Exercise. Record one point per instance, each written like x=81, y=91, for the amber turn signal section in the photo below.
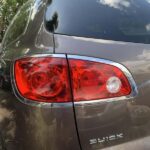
x=43, y=79
x=97, y=81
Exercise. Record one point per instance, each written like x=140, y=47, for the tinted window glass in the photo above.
x=18, y=24
x=121, y=20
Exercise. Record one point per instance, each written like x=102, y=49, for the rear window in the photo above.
x=119, y=20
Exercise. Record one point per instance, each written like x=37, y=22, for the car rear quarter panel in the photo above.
x=26, y=127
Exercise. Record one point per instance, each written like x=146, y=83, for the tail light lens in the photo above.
x=43, y=79
x=46, y=79
x=95, y=81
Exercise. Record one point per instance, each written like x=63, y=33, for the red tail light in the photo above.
x=95, y=81
x=46, y=79
x=43, y=79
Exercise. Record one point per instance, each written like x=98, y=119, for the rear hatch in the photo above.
x=106, y=124
x=112, y=30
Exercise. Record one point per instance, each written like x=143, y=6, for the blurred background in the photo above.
x=8, y=8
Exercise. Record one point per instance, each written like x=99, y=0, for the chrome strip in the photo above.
x=121, y=67
x=42, y=55
x=35, y=103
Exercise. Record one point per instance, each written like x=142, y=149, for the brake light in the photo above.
x=95, y=81
x=43, y=79
x=46, y=79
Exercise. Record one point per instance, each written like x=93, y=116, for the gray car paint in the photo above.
x=99, y=124
x=24, y=127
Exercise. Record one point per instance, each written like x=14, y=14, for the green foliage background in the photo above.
x=8, y=8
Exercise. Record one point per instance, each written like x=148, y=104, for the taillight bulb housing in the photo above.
x=43, y=79
x=93, y=80
x=60, y=79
